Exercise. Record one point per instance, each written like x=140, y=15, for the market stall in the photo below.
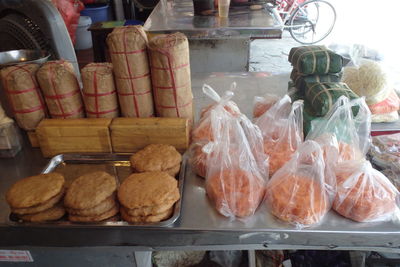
x=199, y=226
x=104, y=175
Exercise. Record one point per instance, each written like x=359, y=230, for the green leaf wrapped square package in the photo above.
x=301, y=81
x=315, y=59
x=323, y=95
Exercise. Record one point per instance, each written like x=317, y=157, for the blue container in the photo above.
x=97, y=13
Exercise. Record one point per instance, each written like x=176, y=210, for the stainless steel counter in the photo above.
x=216, y=44
x=178, y=15
x=200, y=226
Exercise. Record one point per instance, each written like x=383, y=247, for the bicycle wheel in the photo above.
x=312, y=21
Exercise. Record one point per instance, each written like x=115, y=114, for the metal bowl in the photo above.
x=13, y=57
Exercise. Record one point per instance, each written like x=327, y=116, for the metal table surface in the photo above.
x=216, y=44
x=200, y=226
x=178, y=15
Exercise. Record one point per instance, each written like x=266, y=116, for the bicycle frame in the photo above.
x=286, y=14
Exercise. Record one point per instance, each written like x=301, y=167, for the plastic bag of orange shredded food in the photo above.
x=202, y=131
x=364, y=194
x=298, y=192
x=236, y=165
x=282, y=130
x=351, y=132
x=263, y=103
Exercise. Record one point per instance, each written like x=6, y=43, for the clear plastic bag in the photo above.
x=368, y=78
x=282, y=130
x=393, y=174
x=385, y=150
x=387, y=117
x=237, y=168
x=390, y=104
x=263, y=103
x=202, y=131
x=352, y=133
x=198, y=158
x=363, y=193
x=69, y=10
x=298, y=192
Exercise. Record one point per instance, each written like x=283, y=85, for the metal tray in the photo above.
x=74, y=165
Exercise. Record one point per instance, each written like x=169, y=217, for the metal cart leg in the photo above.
x=143, y=258
x=252, y=258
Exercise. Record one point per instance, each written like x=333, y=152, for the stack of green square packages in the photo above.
x=316, y=74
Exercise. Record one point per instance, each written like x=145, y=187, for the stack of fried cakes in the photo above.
x=157, y=157
x=148, y=197
x=38, y=198
x=91, y=198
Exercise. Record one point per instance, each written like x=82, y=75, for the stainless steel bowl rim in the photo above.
x=13, y=57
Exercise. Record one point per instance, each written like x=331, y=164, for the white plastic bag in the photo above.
x=387, y=117
x=368, y=78
x=363, y=193
x=282, y=130
x=351, y=132
x=263, y=103
x=298, y=192
x=202, y=133
x=236, y=165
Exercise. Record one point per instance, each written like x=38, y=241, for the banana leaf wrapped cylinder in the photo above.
x=128, y=51
x=300, y=81
x=322, y=96
x=315, y=59
x=61, y=90
x=99, y=94
x=23, y=93
x=170, y=73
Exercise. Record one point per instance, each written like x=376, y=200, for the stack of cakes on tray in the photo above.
x=38, y=198
x=91, y=197
x=149, y=194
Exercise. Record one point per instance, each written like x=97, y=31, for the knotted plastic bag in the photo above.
x=237, y=168
x=363, y=193
x=202, y=132
x=299, y=192
x=282, y=130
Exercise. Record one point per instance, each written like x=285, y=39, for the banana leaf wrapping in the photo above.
x=301, y=81
x=315, y=60
x=322, y=96
x=23, y=93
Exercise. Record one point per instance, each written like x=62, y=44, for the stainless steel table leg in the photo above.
x=143, y=258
